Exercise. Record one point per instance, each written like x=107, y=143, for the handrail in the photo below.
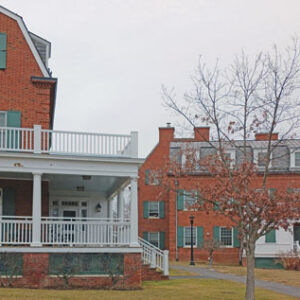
x=154, y=256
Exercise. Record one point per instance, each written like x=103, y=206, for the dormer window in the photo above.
x=260, y=157
x=230, y=155
x=295, y=158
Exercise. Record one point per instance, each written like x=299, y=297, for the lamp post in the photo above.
x=192, y=263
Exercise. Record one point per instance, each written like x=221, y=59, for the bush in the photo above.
x=290, y=260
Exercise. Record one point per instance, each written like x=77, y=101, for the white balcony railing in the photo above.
x=89, y=231
x=15, y=230
x=38, y=140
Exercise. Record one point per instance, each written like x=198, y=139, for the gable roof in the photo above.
x=28, y=39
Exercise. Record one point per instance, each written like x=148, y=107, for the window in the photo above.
x=188, y=235
x=191, y=160
x=297, y=159
x=153, y=238
x=3, y=122
x=153, y=209
x=189, y=199
x=260, y=157
x=151, y=177
x=226, y=236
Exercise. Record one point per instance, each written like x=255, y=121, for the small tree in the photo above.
x=238, y=102
x=211, y=245
x=10, y=267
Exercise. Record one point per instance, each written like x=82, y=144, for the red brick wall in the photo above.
x=17, y=92
x=23, y=190
x=36, y=265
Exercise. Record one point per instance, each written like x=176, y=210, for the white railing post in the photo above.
x=153, y=259
x=166, y=263
x=36, y=210
x=134, y=214
x=37, y=138
x=134, y=144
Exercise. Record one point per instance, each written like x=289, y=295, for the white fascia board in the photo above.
x=27, y=38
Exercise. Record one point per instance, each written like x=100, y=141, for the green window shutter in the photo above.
x=180, y=199
x=3, y=50
x=161, y=240
x=200, y=236
x=236, y=241
x=216, y=233
x=145, y=236
x=161, y=209
x=13, y=120
x=180, y=236
x=216, y=206
x=9, y=201
x=271, y=236
x=147, y=173
x=146, y=209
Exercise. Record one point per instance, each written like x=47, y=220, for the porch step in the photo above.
x=149, y=273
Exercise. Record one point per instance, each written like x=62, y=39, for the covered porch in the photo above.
x=58, y=210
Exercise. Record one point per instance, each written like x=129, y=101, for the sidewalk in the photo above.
x=207, y=273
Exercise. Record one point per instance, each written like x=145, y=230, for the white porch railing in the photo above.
x=38, y=140
x=15, y=230
x=88, y=231
x=154, y=256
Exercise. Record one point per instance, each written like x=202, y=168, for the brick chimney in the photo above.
x=265, y=136
x=166, y=134
x=201, y=134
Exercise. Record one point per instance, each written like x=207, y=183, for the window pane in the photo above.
x=297, y=159
x=188, y=235
x=153, y=209
x=154, y=238
x=261, y=159
x=188, y=200
x=226, y=236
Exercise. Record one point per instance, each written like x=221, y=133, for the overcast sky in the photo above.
x=112, y=56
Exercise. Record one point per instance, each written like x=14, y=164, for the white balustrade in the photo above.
x=87, y=231
x=155, y=257
x=39, y=140
x=15, y=230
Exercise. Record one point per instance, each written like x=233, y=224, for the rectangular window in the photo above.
x=153, y=238
x=229, y=156
x=261, y=159
x=3, y=119
x=151, y=177
x=297, y=159
x=153, y=209
x=189, y=199
x=188, y=236
x=226, y=236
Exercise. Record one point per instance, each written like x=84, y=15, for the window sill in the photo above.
x=153, y=218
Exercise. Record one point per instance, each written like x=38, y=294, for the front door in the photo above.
x=69, y=229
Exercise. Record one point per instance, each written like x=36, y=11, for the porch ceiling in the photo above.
x=99, y=184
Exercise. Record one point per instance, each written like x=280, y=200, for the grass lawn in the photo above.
x=281, y=276
x=170, y=289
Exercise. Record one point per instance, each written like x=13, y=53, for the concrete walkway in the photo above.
x=208, y=273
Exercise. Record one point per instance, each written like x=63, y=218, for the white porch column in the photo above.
x=36, y=210
x=134, y=213
x=120, y=205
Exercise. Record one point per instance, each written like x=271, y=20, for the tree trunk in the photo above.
x=250, y=281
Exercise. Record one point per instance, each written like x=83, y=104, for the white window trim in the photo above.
x=232, y=154
x=194, y=230
x=293, y=158
x=158, y=235
x=226, y=246
x=255, y=157
x=152, y=217
x=184, y=208
x=5, y=117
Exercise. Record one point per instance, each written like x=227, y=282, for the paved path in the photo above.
x=208, y=273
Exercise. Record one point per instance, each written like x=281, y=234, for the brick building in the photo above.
x=164, y=213
x=57, y=187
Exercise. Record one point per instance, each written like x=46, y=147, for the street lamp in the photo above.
x=192, y=263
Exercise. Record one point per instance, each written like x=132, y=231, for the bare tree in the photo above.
x=248, y=97
x=211, y=245
x=10, y=267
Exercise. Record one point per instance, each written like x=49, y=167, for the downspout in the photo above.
x=176, y=221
